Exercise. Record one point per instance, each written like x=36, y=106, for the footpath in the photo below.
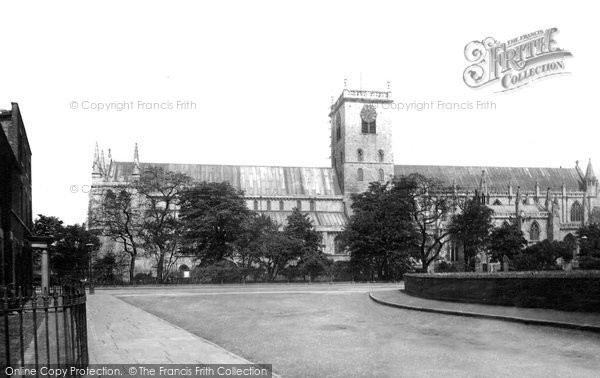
x=537, y=316
x=119, y=333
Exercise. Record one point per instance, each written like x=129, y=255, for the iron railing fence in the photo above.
x=44, y=328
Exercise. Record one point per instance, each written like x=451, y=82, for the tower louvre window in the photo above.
x=360, y=154
x=576, y=212
x=369, y=127
x=359, y=174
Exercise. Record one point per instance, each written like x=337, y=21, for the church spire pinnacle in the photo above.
x=96, y=164
x=102, y=162
x=136, y=162
x=589, y=172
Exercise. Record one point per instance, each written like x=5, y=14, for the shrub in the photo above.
x=223, y=271
x=446, y=267
x=543, y=256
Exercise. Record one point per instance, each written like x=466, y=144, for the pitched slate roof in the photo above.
x=498, y=178
x=253, y=180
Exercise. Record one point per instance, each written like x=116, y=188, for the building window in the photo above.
x=255, y=204
x=534, y=231
x=280, y=205
x=313, y=205
x=453, y=251
x=337, y=246
x=360, y=154
x=299, y=204
x=268, y=205
x=576, y=212
x=338, y=127
x=381, y=175
x=381, y=156
x=359, y=174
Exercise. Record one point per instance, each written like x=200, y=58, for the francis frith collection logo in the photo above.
x=515, y=63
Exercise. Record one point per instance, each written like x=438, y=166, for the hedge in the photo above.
x=568, y=291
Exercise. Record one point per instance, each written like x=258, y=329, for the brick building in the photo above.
x=551, y=202
x=15, y=200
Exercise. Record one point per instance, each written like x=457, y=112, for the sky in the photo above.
x=258, y=78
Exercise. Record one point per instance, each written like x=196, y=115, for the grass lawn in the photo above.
x=344, y=334
x=14, y=336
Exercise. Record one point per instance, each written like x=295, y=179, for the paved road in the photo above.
x=336, y=330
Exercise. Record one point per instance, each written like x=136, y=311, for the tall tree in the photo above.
x=306, y=243
x=69, y=253
x=428, y=203
x=472, y=226
x=119, y=218
x=214, y=217
x=380, y=232
x=261, y=245
x=506, y=240
x=159, y=195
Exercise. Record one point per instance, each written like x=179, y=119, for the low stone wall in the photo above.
x=569, y=291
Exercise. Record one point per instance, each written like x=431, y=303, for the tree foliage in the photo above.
x=215, y=222
x=589, y=246
x=428, y=204
x=379, y=233
x=472, y=226
x=543, y=255
x=70, y=251
x=506, y=240
x=160, y=194
x=118, y=217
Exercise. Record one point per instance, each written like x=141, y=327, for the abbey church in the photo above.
x=551, y=203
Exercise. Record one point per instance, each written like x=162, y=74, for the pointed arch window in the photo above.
x=360, y=154
x=359, y=174
x=337, y=245
x=576, y=212
x=381, y=175
x=534, y=231
x=381, y=155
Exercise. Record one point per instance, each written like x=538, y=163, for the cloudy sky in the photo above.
x=262, y=74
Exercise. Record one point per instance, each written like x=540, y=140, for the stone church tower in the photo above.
x=361, y=140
